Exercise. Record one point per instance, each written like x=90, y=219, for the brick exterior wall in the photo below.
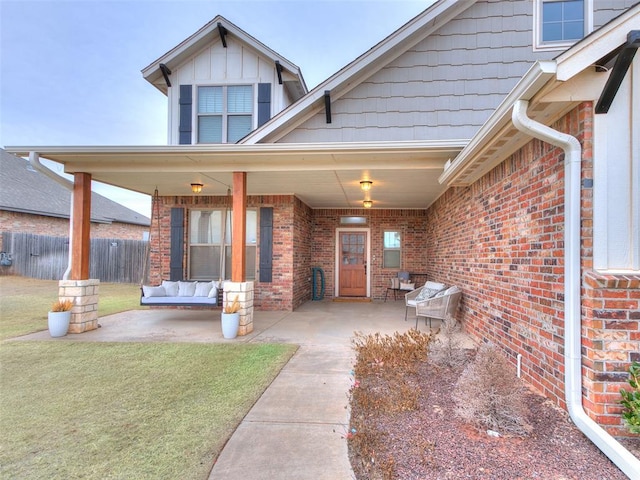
x=290, y=235
x=501, y=240
x=410, y=223
x=17, y=222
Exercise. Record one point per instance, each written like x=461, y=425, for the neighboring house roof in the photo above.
x=292, y=79
x=552, y=89
x=25, y=190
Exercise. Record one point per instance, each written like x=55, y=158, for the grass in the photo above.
x=96, y=411
x=24, y=303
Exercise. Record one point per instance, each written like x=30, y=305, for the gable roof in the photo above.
x=293, y=80
x=48, y=198
x=358, y=70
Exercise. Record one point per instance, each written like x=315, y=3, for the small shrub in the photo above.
x=62, y=305
x=490, y=396
x=376, y=353
x=631, y=400
x=446, y=350
x=385, y=384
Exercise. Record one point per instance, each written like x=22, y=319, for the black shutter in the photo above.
x=177, y=244
x=266, y=244
x=186, y=102
x=264, y=103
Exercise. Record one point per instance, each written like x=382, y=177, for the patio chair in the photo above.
x=442, y=305
x=420, y=294
x=398, y=284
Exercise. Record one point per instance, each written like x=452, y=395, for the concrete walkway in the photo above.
x=296, y=429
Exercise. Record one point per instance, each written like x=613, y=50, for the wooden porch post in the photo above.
x=81, y=228
x=238, y=240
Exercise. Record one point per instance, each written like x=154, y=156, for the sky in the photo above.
x=70, y=70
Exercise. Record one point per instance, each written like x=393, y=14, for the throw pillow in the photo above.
x=149, y=291
x=171, y=288
x=213, y=293
x=426, y=293
x=203, y=289
x=435, y=285
x=186, y=289
x=407, y=286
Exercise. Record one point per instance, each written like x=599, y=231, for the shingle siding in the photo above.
x=447, y=85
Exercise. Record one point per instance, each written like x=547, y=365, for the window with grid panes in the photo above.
x=225, y=113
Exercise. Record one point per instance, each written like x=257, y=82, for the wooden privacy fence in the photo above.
x=46, y=258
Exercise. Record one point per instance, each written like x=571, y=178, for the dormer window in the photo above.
x=560, y=23
x=225, y=113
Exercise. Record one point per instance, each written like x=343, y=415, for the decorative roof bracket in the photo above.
x=327, y=104
x=623, y=61
x=279, y=71
x=165, y=73
x=223, y=34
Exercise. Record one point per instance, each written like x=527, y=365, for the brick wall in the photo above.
x=275, y=295
x=410, y=223
x=501, y=240
x=59, y=227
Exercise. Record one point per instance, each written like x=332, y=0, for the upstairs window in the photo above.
x=560, y=23
x=225, y=113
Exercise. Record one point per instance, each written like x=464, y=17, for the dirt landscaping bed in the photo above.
x=430, y=442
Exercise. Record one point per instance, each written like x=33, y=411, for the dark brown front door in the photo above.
x=353, y=264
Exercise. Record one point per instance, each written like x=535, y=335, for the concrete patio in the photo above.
x=296, y=429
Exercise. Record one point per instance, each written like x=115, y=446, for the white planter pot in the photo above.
x=59, y=323
x=230, y=324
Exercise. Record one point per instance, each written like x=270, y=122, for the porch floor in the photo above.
x=296, y=429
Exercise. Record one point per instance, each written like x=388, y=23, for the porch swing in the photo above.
x=174, y=293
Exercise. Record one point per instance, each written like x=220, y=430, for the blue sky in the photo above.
x=70, y=70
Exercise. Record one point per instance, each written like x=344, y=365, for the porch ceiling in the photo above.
x=404, y=174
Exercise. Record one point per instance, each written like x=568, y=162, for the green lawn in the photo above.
x=24, y=303
x=71, y=410
x=129, y=410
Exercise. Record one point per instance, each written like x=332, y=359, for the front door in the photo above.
x=353, y=264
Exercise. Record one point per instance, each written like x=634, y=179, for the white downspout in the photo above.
x=34, y=160
x=619, y=455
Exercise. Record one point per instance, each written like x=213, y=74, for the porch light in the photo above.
x=196, y=187
x=365, y=185
x=367, y=204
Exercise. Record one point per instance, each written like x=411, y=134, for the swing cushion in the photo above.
x=149, y=291
x=181, y=293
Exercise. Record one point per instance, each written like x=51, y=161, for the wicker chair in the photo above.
x=442, y=305
x=414, y=296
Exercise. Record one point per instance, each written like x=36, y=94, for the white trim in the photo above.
x=541, y=46
x=336, y=280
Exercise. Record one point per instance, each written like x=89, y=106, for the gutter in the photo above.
x=34, y=161
x=617, y=453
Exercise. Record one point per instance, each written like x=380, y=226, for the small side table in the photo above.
x=395, y=292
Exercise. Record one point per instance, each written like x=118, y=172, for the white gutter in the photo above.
x=34, y=160
x=619, y=455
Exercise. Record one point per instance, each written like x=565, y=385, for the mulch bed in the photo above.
x=431, y=443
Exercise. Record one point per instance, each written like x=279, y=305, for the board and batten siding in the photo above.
x=447, y=85
x=238, y=64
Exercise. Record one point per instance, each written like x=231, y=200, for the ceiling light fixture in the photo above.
x=196, y=187
x=367, y=204
x=365, y=185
